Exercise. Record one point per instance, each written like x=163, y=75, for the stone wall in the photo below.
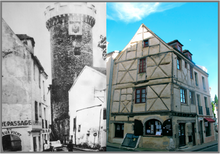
x=69, y=54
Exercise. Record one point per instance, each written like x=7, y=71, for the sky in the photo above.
x=28, y=18
x=194, y=24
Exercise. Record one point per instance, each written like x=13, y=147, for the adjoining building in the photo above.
x=87, y=108
x=25, y=97
x=158, y=93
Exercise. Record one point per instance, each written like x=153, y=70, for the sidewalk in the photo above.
x=188, y=149
x=199, y=147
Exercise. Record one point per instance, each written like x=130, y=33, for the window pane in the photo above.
x=138, y=91
x=143, y=100
x=143, y=95
x=138, y=100
x=143, y=90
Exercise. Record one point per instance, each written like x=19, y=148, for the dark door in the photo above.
x=34, y=143
x=193, y=133
x=201, y=132
x=138, y=128
x=182, y=134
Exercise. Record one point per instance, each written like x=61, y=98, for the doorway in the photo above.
x=193, y=133
x=182, y=141
x=11, y=143
x=201, y=133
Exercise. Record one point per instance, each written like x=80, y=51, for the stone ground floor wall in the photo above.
x=26, y=138
x=146, y=141
x=21, y=134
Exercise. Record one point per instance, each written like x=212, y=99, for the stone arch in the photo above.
x=11, y=143
x=150, y=118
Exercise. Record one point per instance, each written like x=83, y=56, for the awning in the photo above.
x=209, y=120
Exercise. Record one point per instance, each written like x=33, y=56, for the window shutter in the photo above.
x=138, y=128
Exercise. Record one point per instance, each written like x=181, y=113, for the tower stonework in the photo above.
x=70, y=26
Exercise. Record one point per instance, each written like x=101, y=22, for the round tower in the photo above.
x=70, y=26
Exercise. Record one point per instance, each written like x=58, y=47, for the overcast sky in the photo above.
x=28, y=18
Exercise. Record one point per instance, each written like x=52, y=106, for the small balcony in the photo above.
x=200, y=110
x=207, y=111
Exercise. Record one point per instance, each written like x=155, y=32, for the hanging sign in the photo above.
x=75, y=25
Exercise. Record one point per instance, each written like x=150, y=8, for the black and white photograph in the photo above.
x=53, y=76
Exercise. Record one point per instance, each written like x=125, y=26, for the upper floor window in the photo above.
x=196, y=79
x=146, y=43
x=178, y=63
x=140, y=95
x=142, y=65
x=191, y=97
x=36, y=111
x=191, y=72
x=203, y=82
x=182, y=95
x=185, y=64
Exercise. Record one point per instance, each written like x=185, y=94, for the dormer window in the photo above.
x=146, y=43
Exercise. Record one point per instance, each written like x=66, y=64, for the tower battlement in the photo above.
x=60, y=13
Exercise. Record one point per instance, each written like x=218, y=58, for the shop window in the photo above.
x=182, y=95
x=146, y=43
x=207, y=128
x=196, y=79
x=119, y=130
x=191, y=97
x=153, y=127
x=142, y=65
x=178, y=63
x=140, y=95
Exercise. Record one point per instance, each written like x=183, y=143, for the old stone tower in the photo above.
x=70, y=26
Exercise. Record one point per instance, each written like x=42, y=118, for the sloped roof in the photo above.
x=100, y=69
x=26, y=37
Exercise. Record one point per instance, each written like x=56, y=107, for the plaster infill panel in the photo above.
x=163, y=48
x=139, y=107
x=122, y=56
x=154, y=49
x=141, y=76
x=153, y=41
x=115, y=107
x=145, y=51
x=139, y=49
x=116, y=95
x=131, y=54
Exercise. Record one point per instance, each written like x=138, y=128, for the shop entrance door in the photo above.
x=201, y=132
x=11, y=143
x=193, y=133
x=182, y=134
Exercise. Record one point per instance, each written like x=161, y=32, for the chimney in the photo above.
x=28, y=42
